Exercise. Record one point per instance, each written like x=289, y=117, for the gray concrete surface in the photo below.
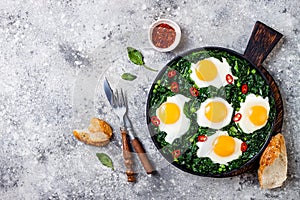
x=53, y=57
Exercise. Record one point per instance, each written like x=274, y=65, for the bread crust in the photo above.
x=98, y=125
x=274, y=154
x=98, y=133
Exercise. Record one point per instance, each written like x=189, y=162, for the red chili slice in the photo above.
x=244, y=88
x=155, y=121
x=237, y=117
x=229, y=79
x=176, y=153
x=174, y=87
x=171, y=73
x=244, y=147
x=194, y=92
x=202, y=138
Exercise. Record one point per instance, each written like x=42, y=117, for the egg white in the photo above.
x=181, y=126
x=223, y=68
x=206, y=149
x=251, y=100
x=204, y=122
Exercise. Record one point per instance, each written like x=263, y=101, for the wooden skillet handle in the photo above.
x=139, y=149
x=262, y=41
x=128, y=161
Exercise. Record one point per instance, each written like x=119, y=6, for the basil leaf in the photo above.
x=105, y=160
x=128, y=77
x=186, y=110
x=135, y=56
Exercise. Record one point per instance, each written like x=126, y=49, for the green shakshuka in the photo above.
x=210, y=112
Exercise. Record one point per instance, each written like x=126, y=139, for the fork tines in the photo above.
x=120, y=98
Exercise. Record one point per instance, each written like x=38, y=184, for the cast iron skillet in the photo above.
x=262, y=41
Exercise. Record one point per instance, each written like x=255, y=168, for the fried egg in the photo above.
x=211, y=71
x=214, y=113
x=254, y=113
x=220, y=148
x=172, y=118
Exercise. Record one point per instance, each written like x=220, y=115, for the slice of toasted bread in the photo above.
x=272, y=170
x=98, y=133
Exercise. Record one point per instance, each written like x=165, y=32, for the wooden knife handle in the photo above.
x=128, y=161
x=139, y=149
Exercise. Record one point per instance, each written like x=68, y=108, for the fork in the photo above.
x=120, y=108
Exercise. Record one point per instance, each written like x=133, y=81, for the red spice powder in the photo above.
x=163, y=35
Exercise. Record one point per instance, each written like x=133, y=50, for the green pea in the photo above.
x=253, y=71
x=193, y=109
x=154, y=91
x=158, y=82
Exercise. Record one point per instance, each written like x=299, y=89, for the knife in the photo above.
x=137, y=145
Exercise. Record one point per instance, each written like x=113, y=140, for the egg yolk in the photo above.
x=169, y=113
x=258, y=115
x=206, y=70
x=224, y=146
x=215, y=111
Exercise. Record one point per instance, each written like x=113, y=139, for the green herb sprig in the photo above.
x=136, y=57
x=128, y=76
x=105, y=160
